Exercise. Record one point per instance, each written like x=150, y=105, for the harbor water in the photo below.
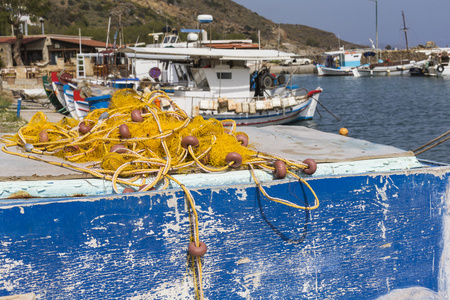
x=401, y=111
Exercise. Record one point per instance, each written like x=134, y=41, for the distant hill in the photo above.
x=133, y=20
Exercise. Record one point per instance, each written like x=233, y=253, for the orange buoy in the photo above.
x=312, y=166
x=43, y=136
x=83, y=128
x=243, y=139
x=158, y=102
x=128, y=190
x=197, y=251
x=343, y=131
x=234, y=157
x=280, y=169
x=136, y=116
x=124, y=131
x=189, y=140
x=71, y=148
x=119, y=148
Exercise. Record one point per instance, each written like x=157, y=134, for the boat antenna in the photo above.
x=259, y=39
x=405, y=30
x=279, y=37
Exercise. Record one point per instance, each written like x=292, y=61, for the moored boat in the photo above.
x=385, y=68
x=340, y=63
x=48, y=88
x=438, y=62
x=217, y=83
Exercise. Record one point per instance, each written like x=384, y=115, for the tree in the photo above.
x=13, y=12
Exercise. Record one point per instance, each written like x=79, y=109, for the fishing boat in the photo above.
x=388, y=67
x=76, y=97
x=352, y=220
x=385, y=68
x=52, y=96
x=58, y=90
x=438, y=62
x=217, y=83
x=340, y=63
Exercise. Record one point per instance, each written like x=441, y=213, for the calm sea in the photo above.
x=401, y=111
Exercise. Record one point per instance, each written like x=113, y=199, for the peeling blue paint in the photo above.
x=371, y=235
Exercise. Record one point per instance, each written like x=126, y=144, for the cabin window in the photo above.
x=200, y=79
x=181, y=73
x=223, y=75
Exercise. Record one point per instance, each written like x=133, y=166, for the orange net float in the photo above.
x=312, y=166
x=71, y=148
x=280, y=169
x=124, y=131
x=128, y=190
x=243, y=139
x=119, y=148
x=235, y=158
x=136, y=116
x=157, y=102
x=43, y=136
x=197, y=251
x=83, y=128
x=189, y=141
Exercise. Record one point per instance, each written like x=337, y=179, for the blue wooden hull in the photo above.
x=372, y=234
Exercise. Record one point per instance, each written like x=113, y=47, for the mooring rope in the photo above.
x=436, y=141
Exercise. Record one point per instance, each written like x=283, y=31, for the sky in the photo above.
x=354, y=20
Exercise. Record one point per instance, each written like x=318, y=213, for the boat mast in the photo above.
x=405, y=30
x=376, y=27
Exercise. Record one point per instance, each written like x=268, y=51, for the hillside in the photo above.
x=135, y=19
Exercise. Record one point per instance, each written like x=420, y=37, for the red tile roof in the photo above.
x=30, y=39
x=85, y=42
x=12, y=39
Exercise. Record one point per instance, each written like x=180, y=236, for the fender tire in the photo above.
x=267, y=81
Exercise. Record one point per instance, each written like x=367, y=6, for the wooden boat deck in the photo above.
x=291, y=142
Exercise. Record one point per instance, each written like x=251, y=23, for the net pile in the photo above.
x=142, y=140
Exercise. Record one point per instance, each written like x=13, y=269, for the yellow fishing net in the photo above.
x=142, y=135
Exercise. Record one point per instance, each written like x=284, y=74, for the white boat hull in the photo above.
x=324, y=71
x=270, y=111
x=395, y=70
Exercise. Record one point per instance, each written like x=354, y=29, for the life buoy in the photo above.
x=440, y=69
x=439, y=54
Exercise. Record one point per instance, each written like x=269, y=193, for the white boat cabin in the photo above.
x=201, y=72
x=343, y=58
